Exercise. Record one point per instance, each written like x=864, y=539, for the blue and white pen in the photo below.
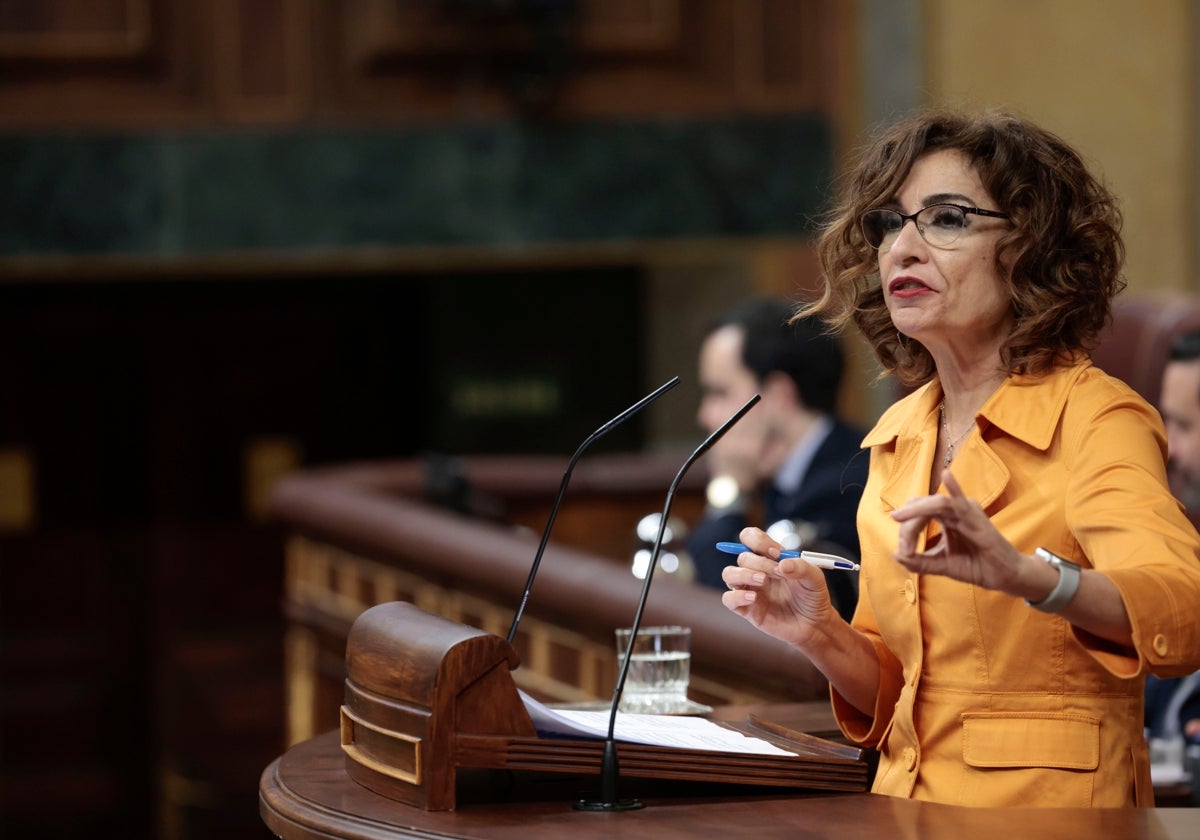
x=812, y=558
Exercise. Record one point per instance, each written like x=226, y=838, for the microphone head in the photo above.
x=562, y=489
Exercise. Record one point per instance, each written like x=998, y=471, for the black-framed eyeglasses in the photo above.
x=939, y=224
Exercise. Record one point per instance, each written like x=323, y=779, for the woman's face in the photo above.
x=952, y=296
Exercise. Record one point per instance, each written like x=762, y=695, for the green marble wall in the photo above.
x=493, y=184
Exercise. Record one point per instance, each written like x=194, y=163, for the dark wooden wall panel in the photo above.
x=145, y=62
x=263, y=60
x=630, y=57
x=75, y=30
x=183, y=62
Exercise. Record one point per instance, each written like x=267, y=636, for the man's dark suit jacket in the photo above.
x=827, y=497
x=1160, y=693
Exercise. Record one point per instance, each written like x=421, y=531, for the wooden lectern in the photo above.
x=425, y=696
x=417, y=686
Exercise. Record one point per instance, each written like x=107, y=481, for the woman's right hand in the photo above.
x=787, y=599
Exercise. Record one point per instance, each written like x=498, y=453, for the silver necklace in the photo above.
x=950, y=445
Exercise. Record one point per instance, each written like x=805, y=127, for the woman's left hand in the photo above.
x=970, y=548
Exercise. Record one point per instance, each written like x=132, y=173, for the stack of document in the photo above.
x=689, y=733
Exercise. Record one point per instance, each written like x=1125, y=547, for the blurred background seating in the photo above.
x=1135, y=346
x=369, y=533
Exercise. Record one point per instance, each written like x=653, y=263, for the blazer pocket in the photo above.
x=1008, y=739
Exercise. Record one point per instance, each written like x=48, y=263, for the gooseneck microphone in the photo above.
x=562, y=488
x=609, y=769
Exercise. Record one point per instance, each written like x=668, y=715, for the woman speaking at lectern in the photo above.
x=1024, y=564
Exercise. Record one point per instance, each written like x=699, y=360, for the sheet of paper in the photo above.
x=1167, y=774
x=656, y=730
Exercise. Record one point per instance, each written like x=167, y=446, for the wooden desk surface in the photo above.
x=305, y=794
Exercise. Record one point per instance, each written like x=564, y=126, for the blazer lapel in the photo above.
x=910, y=428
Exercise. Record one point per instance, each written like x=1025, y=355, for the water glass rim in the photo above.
x=658, y=630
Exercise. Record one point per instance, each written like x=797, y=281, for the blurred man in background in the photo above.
x=790, y=459
x=1173, y=705
x=1179, y=404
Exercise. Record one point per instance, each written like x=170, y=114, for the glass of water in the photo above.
x=659, y=669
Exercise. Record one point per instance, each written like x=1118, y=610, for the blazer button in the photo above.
x=1160, y=645
x=910, y=758
x=910, y=591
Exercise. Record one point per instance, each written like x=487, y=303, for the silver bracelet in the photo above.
x=1063, y=591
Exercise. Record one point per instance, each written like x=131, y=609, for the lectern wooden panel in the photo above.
x=426, y=696
x=417, y=683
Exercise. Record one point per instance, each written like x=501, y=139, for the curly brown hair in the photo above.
x=1064, y=252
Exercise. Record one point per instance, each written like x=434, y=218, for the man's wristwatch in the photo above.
x=1064, y=590
x=725, y=496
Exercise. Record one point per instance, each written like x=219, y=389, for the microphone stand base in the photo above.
x=616, y=805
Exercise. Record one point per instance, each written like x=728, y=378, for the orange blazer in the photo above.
x=984, y=700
